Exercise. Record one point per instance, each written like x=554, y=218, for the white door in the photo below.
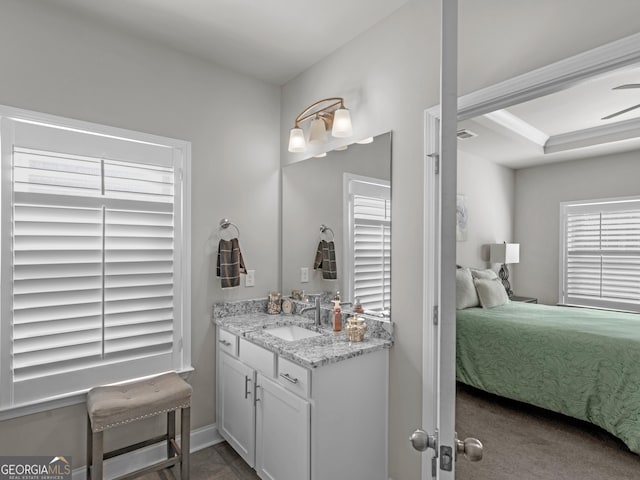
x=437, y=437
x=237, y=412
x=283, y=433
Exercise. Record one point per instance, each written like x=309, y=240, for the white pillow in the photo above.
x=485, y=274
x=491, y=292
x=466, y=295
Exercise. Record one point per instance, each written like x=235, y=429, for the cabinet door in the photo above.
x=283, y=447
x=238, y=418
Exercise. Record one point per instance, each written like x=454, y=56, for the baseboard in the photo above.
x=202, y=437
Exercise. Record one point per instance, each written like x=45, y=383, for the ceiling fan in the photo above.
x=623, y=87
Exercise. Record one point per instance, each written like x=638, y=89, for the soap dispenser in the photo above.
x=337, y=313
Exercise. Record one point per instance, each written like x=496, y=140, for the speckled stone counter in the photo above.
x=247, y=319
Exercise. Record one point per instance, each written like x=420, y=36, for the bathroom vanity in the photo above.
x=299, y=402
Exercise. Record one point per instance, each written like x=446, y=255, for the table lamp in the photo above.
x=505, y=253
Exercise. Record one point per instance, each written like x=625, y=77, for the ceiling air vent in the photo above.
x=465, y=134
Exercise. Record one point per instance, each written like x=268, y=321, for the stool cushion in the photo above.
x=113, y=405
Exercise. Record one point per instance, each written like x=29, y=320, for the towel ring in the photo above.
x=226, y=223
x=324, y=229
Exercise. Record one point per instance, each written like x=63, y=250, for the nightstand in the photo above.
x=516, y=298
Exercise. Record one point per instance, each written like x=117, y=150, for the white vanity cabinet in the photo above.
x=293, y=423
x=237, y=417
x=282, y=433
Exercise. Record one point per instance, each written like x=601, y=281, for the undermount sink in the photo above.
x=291, y=333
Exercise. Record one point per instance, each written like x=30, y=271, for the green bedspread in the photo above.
x=581, y=362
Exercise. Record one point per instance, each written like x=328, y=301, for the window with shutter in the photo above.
x=601, y=254
x=368, y=246
x=93, y=256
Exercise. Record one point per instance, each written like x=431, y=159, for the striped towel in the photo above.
x=326, y=260
x=230, y=263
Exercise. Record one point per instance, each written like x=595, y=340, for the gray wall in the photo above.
x=539, y=192
x=389, y=76
x=67, y=65
x=489, y=192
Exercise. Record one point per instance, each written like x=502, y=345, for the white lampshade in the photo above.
x=317, y=131
x=504, y=253
x=342, y=123
x=296, y=140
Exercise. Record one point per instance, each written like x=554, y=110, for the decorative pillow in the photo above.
x=466, y=295
x=491, y=292
x=485, y=274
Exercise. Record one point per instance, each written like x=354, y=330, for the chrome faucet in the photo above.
x=316, y=306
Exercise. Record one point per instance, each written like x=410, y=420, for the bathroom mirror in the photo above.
x=313, y=194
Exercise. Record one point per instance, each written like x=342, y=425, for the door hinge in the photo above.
x=436, y=311
x=436, y=162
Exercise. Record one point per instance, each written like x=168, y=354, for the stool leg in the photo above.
x=97, y=452
x=89, y=448
x=185, y=433
x=171, y=432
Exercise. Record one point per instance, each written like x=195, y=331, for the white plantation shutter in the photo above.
x=370, y=243
x=601, y=249
x=96, y=265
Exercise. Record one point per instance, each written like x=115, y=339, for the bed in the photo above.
x=580, y=362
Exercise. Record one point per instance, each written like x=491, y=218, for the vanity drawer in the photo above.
x=257, y=357
x=294, y=377
x=228, y=342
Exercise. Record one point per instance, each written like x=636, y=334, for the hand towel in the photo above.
x=326, y=260
x=230, y=263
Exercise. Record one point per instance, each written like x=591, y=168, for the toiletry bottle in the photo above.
x=337, y=313
x=357, y=307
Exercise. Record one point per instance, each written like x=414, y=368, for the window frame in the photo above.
x=181, y=157
x=604, y=205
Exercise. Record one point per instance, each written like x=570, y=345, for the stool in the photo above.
x=110, y=406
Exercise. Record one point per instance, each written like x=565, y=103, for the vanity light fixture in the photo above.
x=329, y=113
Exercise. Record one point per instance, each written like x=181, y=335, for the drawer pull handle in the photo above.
x=246, y=387
x=288, y=377
x=225, y=342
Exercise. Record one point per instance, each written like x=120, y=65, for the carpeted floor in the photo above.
x=522, y=442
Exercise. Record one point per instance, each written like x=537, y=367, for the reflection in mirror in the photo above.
x=327, y=192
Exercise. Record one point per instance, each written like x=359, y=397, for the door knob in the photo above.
x=421, y=440
x=471, y=448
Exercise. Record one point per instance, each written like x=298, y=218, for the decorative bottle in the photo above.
x=357, y=306
x=337, y=313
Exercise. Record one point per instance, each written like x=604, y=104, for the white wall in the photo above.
x=540, y=190
x=389, y=76
x=489, y=192
x=67, y=65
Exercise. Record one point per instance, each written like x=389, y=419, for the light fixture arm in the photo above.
x=326, y=112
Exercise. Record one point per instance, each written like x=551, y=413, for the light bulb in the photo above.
x=296, y=140
x=342, y=123
x=317, y=131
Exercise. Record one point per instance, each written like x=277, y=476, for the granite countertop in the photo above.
x=309, y=352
